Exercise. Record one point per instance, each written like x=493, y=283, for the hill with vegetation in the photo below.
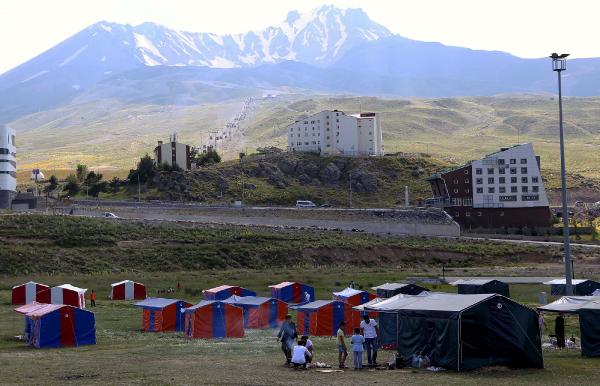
x=67, y=244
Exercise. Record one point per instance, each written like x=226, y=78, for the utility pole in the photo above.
x=350, y=189
x=559, y=64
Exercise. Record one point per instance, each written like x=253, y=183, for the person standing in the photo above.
x=92, y=299
x=370, y=330
x=341, y=343
x=287, y=334
x=541, y=323
x=559, y=330
x=306, y=297
x=357, y=341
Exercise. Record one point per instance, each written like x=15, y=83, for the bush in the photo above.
x=209, y=158
x=72, y=185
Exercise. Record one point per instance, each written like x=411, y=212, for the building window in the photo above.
x=523, y=161
x=466, y=171
x=466, y=180
x=534, y=180
x=523, y=170
x=502, y=189
x=479, y=190
x=456, y=191
x=513, y=161
x=502, y=180
x=479, y=181
x=479, y=214
x=501, y=161
x=491, y=189
x=490, y=180
x=530, y=197
x=292, y=129
x=455, y=181
x=501, y=171
x=513, y=170
x=507, y=198
x=467, y=201
x=478, y=171
x=467, y=214
x=513, y=180
x=513, y=189
x=524, y=189
x=535, y=189
x=457, y=214
x=490, y=170
x=456, y=202
x=467, y=190
x=502, y=214
x=523, y=180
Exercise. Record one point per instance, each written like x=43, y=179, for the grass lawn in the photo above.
x=124, y=355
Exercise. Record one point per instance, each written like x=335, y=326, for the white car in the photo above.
x=305, y=204
x=110, y=215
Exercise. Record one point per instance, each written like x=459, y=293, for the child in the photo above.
x=357, y=341
x=341, y=343
x=300, y=354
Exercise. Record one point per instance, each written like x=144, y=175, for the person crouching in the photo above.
x=299, y=355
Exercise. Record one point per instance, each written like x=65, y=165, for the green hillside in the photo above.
x=112, y=134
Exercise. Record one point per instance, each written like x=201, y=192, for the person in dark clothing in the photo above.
x=559, y=330
x=287, y=335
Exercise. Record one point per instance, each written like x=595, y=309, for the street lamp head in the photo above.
x=559, y=62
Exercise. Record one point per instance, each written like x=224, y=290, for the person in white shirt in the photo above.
x=370, y=330
x=309, y=346
x=306, y=297
x=299, y=354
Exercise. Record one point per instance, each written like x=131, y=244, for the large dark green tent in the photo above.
x=581, y=287
x=482, y=286
x=461, y=332
x=588, y=309
x=589, y=325
x=388, y=290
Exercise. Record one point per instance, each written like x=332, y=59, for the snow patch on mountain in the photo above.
x=73, y=56
x=35, y=76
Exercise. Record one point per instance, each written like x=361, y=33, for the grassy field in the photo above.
x=124, y=355
x=66, y=244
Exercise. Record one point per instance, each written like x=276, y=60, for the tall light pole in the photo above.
x=559, y=64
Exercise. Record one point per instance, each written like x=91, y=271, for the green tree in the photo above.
x=81, y=172
x=92, y=178
x=209, y=158
x=98, y=188
x=114, y=184
x=72, y=185
x=52, y=184
x=145, y=170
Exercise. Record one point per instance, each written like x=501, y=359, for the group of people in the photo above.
x=300, y=352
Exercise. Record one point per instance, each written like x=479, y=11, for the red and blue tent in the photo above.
x=260, y=312
x=58, y=325
x=323, y=317
x=353, y=296
x=292, y=292
x=127, y=290
x=225, y=291
x=160, y=314
x=214, y=319
x=30, y=292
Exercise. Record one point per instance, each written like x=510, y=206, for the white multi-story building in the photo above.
x=172, y=153
x=502, y=189
x=334, y=132
x=8, y=166
x=509, y=178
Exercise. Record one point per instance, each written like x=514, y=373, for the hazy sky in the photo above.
x=526, y=28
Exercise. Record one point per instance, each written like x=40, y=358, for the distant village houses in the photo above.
x=335, y=133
